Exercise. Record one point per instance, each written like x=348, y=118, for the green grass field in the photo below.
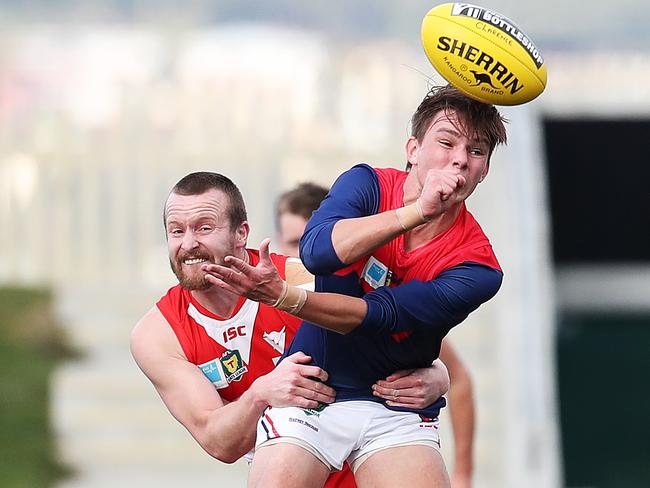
x=31, y=345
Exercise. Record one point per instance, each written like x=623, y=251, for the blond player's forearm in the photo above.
x=354, y=238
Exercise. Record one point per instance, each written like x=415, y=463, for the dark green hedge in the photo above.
x=31, y=346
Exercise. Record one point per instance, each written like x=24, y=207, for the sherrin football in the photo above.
x=483, y=54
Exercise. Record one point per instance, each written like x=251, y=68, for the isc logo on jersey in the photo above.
x=233, y=332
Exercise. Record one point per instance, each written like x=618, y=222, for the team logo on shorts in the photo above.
x=315, y=411
x=233, y=365
x=429, y=422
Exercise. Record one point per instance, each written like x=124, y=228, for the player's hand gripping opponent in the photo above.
x=414, y=388
x=294, y=383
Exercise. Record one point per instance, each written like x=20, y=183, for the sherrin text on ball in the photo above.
x=483, y=53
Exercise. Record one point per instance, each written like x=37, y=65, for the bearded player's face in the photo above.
x=198, y=231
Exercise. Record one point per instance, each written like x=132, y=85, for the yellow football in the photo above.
x=483, y=54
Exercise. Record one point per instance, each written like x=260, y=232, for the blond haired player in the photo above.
x=399, y=261
x=293, y=209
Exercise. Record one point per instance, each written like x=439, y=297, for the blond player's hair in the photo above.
x=479, y=118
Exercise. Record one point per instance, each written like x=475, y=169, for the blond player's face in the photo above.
x=290, y=230
x=446, y=145
x=198, y=231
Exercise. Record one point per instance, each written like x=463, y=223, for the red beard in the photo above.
x=195, y=279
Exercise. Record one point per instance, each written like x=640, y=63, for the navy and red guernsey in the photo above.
x=414, y=298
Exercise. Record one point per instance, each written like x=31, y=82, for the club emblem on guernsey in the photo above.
x=276, y=339
x=233, y=365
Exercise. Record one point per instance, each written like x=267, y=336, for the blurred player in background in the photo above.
x=211, y=354
x=293, y=209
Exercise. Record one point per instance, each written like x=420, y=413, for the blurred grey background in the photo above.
x=104, y=105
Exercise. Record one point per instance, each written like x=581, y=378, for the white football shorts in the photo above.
x=345, y=431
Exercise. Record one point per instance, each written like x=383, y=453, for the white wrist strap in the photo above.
x=291, y=299
x=410, y=216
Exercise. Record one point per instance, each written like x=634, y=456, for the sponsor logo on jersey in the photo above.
x=375, y=272
x=233, y=365
x=213, y=370
x=233, y=332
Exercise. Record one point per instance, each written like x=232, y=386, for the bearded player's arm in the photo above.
x=437, y=305
x=462, y=412
x=225, y=430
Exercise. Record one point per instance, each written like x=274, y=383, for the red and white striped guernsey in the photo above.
x=232, y=351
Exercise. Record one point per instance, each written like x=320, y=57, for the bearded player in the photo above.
x=211, y=353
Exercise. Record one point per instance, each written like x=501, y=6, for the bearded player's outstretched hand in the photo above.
x=261, y=283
